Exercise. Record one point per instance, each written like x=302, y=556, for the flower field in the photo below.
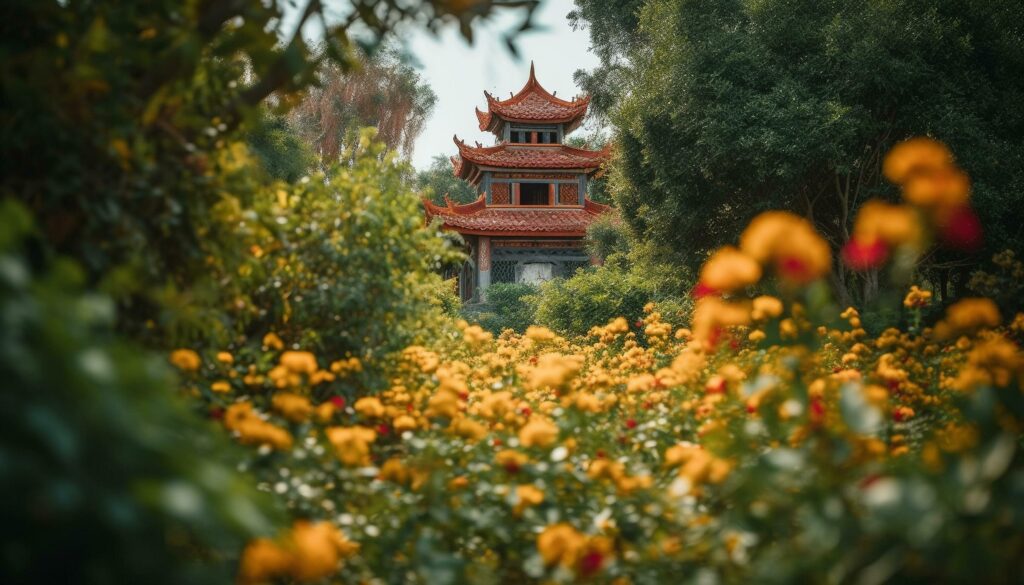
x=773, y=440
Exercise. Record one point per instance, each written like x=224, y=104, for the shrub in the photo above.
x=591, y=297
x=511, y=306
x=107, y=477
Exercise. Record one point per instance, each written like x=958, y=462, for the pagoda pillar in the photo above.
x=484, y=266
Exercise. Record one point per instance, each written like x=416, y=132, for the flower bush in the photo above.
x=773, y=440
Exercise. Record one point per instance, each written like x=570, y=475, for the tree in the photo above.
x=382, y=91
x=283, y=154
x=735, y=107
x=439, y=181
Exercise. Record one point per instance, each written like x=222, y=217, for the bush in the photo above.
x=107, y=477
x=509, y=306
x=591, y=297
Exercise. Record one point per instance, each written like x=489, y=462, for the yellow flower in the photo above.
x=539, y=432
x=728, y=270
x=511, y=459
x=917, y=298
x=272, y=341
x=263, y=560
x=539, y=334
x=253, y=430
x=369, y=407
x=299, y=362
x=185, y=360
x=527, y=496
x=352, y=444
x=475, y=335
x=221, y=386
x=560, y=544
x=468, y=428
x=968, y=316
x=225, y=357
x=553, y=370
x=317, y=550
x=712, y=314
x=766, y=307
x=404, y=423
x=293, y=407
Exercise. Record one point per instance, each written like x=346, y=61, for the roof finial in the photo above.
x=533, y=73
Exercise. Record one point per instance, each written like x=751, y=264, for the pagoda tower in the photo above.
x=533, y=211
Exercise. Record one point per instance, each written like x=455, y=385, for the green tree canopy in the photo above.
x=439, y=180
x=730, y=108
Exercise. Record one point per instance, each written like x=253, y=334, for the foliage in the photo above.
x=439, y=181
x=773, y=440
x=106, y=477
x=597, y=185
x=313, y=253
x=597, y=295
x=1003, y=282
x=380, y=91
x=509, y=306
x=280, y=151
x=723, y=110
x=118, y=121
x=787, y=451
x=607, y=235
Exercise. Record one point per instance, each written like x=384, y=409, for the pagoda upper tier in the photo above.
x=533, y=104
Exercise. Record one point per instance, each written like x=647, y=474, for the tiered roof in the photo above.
x=533, y=103
x=477, y=219
x=524, y=156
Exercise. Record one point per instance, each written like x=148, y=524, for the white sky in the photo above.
x=459, y=73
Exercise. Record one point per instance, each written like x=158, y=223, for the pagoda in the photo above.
x=533, y=211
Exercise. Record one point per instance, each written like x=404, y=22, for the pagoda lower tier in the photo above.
x=516, y=245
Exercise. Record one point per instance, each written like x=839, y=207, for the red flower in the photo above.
x=639, y=323
x=591, y=563
x=794, y=268
x=817, y=410
x=702, y=290
x=631, y=423
x=338, y=402
x=383, y=429
x=599, y=454
x=526, y=411
x=861, y=256
x=962, y=230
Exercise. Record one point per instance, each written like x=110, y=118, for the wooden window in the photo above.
x=534, y=194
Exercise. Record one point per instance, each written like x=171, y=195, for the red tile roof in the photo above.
x=533, y=103
x=525, y=156
x=477, y=218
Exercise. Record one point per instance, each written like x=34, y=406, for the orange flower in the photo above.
x=185, y=360
x=299, y=362
x=968, y=316
x=728, y=270
x=539, y=432
x=272, y=341
x=292, y=406
x=913, y=156
x=711, y=315
x=790, y=243
x=352, y=444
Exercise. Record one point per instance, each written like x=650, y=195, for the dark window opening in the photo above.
x=533, y=194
